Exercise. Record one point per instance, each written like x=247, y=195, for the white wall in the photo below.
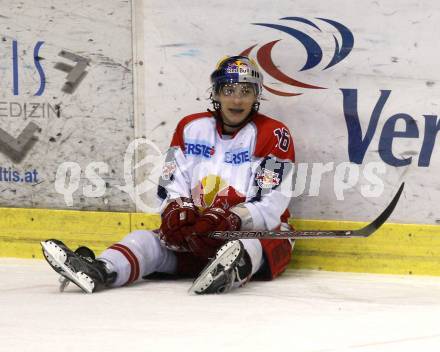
x=395, y=49
x=95, y=123
x=176, y=47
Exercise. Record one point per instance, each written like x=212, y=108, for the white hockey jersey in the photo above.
x=251, y=167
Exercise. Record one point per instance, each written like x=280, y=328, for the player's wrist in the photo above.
x=246, y=220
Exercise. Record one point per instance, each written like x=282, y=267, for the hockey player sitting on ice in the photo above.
x=223, y=171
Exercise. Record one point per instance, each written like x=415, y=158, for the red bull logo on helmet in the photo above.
x=238, y=67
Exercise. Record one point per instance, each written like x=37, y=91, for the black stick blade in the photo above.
x=380, y=220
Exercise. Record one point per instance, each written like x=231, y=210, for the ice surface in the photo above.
x=301, y=311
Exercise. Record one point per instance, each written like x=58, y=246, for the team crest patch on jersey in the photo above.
x=168, y=170
x=267, y=178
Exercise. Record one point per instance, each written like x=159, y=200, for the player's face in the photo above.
x=236, y=102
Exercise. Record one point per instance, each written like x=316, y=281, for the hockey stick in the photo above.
x=363, y=232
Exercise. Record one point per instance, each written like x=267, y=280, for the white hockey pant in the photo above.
x=141, y=253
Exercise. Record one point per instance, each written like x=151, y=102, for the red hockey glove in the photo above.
x=177, y=219
x=212, y=219
x=217, y=219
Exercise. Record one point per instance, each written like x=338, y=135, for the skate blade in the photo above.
x=57, y=257
x=64, y=282
x=224, y=258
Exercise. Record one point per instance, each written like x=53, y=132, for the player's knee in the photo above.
x=142, y=242
x=141, y=237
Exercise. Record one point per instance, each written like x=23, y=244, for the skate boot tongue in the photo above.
x=85, y=252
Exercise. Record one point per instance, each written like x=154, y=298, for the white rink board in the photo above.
x=305, y=311
x=90, y=124
x=395, y=49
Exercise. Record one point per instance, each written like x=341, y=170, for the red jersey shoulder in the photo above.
x=178, y=132
x=273, y=138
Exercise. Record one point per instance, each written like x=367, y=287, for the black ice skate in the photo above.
x=230, y=268
x=80, y=266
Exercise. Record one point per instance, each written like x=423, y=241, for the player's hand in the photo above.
x=217, y=219
x=212, y=219
x=177, y=220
